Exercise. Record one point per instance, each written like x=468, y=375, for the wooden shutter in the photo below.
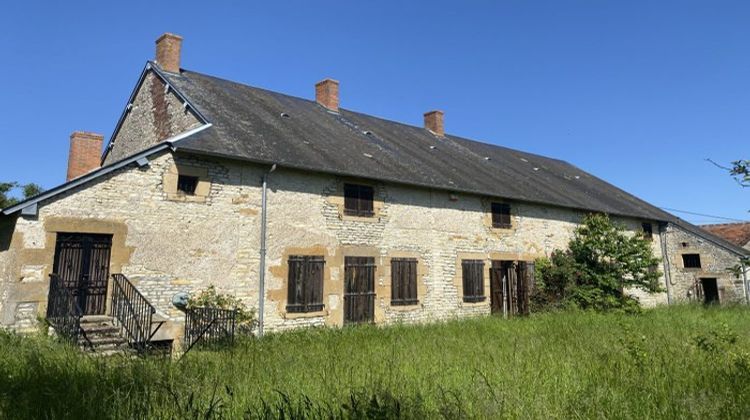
x=351, y=199
x=404, y=281
x=305, y=287
x=501, y=215
x=358, y=200
x=473, y=280
x=525, y=284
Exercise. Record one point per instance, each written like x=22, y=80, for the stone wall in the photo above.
x=154, y=115
x=166, y=245
x=714, y=263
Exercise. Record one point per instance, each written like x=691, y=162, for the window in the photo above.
x=691, y=260
x=358, y=200
x=501, y=215
x=648, y=231
x=404, y=281
x=305, y=288
x=473, y=279
x=187, y=184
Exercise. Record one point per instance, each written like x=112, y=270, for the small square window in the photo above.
x=691, y=260
x=501, y=215
x=358, y=200
x=187, y=184
x=648, y=230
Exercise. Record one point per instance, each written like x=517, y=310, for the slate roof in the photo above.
x=736, y=233
x=257, y=125
x=268, y=127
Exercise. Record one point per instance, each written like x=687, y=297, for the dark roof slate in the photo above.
x=248, y=124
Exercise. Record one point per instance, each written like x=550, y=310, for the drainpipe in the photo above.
x=262, y=271
x=665, y=259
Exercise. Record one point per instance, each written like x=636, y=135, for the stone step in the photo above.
x=95, y=341
x=96, y=319
x=97, y=329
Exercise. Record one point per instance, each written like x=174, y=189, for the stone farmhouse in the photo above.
x=331, y=215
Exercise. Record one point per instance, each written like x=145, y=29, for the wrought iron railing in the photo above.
x=209, y=327
x=132, y=311
x=63, y=311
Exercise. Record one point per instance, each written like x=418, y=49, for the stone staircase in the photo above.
x=102, y=337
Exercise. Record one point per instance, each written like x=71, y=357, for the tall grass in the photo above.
x=686, y=362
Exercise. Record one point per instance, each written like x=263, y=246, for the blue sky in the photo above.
x=639, y=93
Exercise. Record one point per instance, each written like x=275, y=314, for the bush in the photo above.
x=210, y=298
x=601, y=261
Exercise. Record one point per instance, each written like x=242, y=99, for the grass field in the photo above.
x=678, y=362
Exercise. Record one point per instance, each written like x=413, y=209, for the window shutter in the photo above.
x=404, y=281
x=411, y=292
x=366, y=195
x=305, y=287
x=501, y=215
x=351, y=199
x=473, y=280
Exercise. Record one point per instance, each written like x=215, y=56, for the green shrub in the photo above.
x=601, y=261
x=211, y=298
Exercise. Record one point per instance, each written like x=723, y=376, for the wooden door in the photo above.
x=497, y=289
x=359, y=292
x=82, y=262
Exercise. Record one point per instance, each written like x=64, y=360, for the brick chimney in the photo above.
x=433, y=121
x=327, y=94
x=85, y=153
x=168, y=48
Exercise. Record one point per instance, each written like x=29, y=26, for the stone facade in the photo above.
x=714, y=263
x=167, y=246
x=154, y=115
x=167, y=242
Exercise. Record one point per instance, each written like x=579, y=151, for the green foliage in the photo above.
x=28, y=190
x=740, y=170
x=558, y=365
x=602, y=260
x=211, y=298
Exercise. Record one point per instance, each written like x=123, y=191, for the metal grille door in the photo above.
x=359, y=293
x=82, y=262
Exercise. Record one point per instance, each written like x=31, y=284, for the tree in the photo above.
x=28, y=191
x=602, y=260
x=740, y=170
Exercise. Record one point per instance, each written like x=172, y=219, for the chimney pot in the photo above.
x=85, y=153
x=433, y=121
x=327, y=94
x=168, y=47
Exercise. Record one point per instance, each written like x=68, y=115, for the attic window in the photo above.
x=358, y=200
x=501, y=216
x=648, y=230
x=691, y=260
x=187, y=184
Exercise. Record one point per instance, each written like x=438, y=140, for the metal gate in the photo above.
x=82, y=264
x=359, y=292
